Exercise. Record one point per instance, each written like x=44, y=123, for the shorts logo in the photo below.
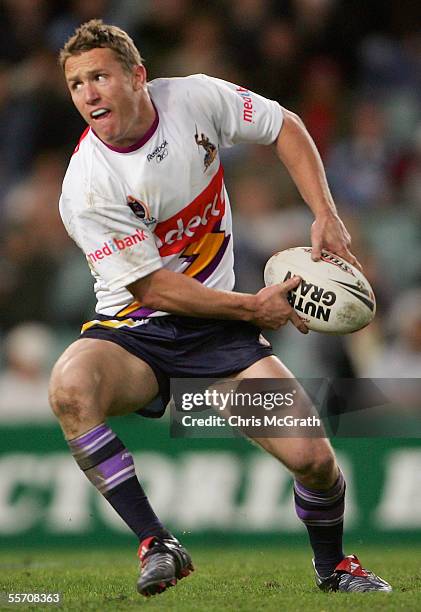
x=159, y=153
x=141, y=210
x=210, y=148
x=263, y=341
x=110, y=247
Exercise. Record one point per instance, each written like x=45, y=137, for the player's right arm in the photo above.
x=104, y=226
x=179, y=294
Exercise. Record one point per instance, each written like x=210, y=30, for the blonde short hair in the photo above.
x=95, y=34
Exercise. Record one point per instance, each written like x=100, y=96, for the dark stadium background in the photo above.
x=352, y=70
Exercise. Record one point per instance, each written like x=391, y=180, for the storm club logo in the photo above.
x=141, y=210
x=210, y=148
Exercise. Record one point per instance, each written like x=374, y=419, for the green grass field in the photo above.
x=241, y=579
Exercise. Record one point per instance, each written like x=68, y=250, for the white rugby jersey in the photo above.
x=162, y=202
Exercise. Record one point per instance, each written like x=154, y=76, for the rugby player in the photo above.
x=144, y=198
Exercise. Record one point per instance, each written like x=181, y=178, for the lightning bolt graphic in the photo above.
x=199, y=255
x=202, y=252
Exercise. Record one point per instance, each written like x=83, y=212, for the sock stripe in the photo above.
x=107, y=491
x=107, y=451
x=320, y=508
x=80, y=449
x=113, y=471
x=305, y=505
x=317, y=514
x=117, y=479
x=321, y=497
x=316, y=499
x=325, y=523
x=90, y=435
x=119, y=486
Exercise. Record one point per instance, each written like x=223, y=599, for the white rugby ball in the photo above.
x=334, y=297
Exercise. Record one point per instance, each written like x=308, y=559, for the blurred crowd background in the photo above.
x=351, y=70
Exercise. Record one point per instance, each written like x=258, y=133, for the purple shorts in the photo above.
x=187, y=347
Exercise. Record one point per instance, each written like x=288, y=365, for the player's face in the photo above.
x=114, y=102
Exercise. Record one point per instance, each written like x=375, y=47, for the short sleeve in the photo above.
x=118, y=246
x=240, y=115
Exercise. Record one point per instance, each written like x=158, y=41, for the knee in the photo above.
x=69, y=396
x=319, y=470
x=65, y=401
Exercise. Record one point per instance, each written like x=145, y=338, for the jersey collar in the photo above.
x=142, y=141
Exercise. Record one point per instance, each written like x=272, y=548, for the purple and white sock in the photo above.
x=103, y=458
x=322, y=512
x=109, y=466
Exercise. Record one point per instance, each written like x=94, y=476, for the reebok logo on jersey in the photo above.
x=159, y=153
x=247, y=104
x=110, y=247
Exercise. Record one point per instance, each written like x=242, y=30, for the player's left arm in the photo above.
x=297, y=151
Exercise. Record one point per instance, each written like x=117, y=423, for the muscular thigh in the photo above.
x=111, y=377
x=295, y=452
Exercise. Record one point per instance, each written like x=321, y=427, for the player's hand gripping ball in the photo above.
x=334, y=297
